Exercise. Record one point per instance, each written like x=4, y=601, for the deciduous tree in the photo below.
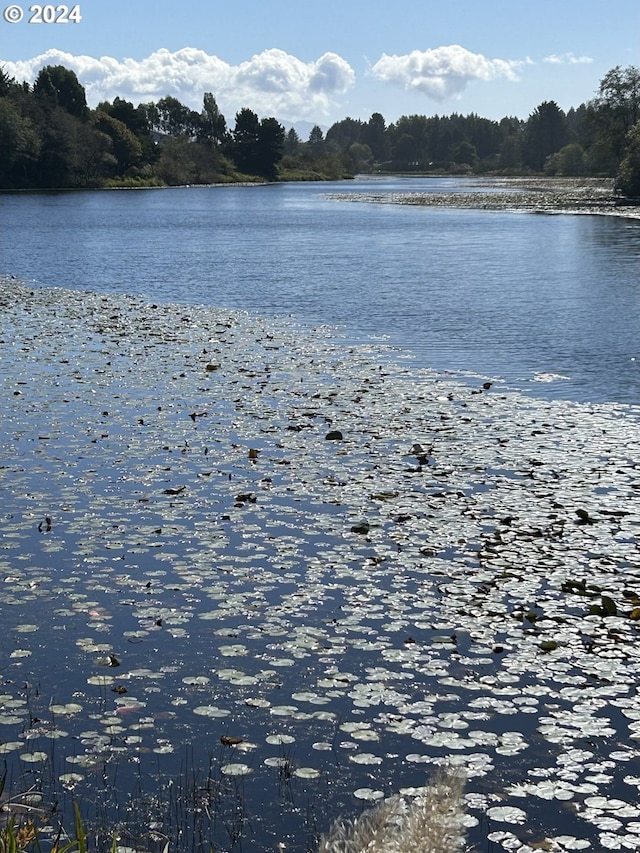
x=59, y=87
x=213, y=123
x=628, y=177
x=125, y=146
x=616, y=108
x=20, y=145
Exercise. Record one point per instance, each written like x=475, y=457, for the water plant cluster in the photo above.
x=254, y=578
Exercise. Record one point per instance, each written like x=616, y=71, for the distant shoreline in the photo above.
x=534, y=195
x=519, y=194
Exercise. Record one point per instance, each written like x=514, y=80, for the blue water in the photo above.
x=512, y=296
x=500, y=294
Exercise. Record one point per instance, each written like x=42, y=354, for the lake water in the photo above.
x=515, y=296
x=221, y=630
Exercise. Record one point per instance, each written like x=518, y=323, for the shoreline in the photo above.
x=544, y=195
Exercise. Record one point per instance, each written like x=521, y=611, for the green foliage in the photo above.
x=125, y=147
x=49, y=138
x=344, y=133
x=628, y=177
x=359, y=158
x=374, y=136
x=291, y=142
x=257, y=146
x=570, y=161
x=184, y=162
x=245, y=140
x=465, y=153
x=59, y=87
x=20, y=145
x=174, y=119
x=17, y=837
x=616, y=109
x=545, y=133
x=270, y=148
x=316, y=139
x=213, y=125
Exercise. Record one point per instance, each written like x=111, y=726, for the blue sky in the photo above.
x=323, y=60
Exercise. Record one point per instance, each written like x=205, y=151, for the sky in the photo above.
x=324, y=60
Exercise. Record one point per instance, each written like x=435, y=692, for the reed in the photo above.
x=430, y=823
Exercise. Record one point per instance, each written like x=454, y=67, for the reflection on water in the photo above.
x=222, y=629
x=499, y=294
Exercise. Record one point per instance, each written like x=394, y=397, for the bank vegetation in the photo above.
x=51, y=139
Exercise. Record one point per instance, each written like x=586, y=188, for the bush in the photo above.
x=628, y=177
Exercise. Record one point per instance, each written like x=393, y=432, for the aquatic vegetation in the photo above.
x=538, y=195
x=452, y=582
x=432, y=820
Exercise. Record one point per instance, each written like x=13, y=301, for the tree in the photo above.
x=20, y=146
x=73, y=154
x=411, y=137
x=175, y=119
x=134, y=118
x=568, y=162
x=7, y=83
x=183, y=161
x=344, y=133
x=59, y=87
x=360, y=158
x=213, y=123
x=315, y=142
x=616, y=108
x=628, y=177
x=375, y=136
x=270, y=148
x=292, y=142
x=125, y=146
x=245, y=140
x=465, y=153
x=151, y=114
x=545, y=133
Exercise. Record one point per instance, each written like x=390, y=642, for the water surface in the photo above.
x=521, y=297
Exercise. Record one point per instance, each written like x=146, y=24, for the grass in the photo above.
x=19, y=831
x=431, y=823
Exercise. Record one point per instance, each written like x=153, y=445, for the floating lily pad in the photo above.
x=211, y=711
x=306, y=773
x=507, y=814
x=278, y=740
x=235, y=769
x=34, y=757
x=68, y=709
x=368, y=794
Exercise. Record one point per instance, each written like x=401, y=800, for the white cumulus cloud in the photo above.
x=442, y=72
x=272, y=82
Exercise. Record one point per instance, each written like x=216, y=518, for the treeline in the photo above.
x=49, y=138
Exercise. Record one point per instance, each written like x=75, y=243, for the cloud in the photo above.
x=270, y=83
x=567, y=59
x=442, y=72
